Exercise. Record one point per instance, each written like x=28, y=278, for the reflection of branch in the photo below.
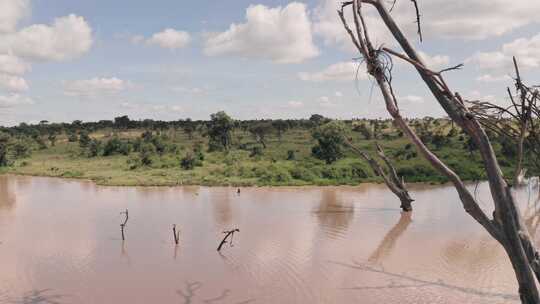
x=38, y=297
x=223, y=295
x=423, y=283
x=191, y=288
x=390, y=239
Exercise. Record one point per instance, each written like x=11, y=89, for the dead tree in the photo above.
x=123, y=225
x=517, y=122
x=506, y=224
x=176, y=234
x=393, y=182
x=227, y=234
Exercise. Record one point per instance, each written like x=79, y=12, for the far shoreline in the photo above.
x=251, y=186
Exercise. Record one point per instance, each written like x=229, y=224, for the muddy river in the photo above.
x=60, y=242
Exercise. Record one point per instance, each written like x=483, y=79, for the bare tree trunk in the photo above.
x=506, y=226
x=394, y=183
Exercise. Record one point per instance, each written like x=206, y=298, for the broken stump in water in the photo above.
x=176, y=234
x=123, y=225
x=227, y=234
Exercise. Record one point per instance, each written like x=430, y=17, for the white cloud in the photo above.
x=136, y=39
x=411, y=99
x=13, y=83
x=342, y=71
x=13, y=65
x=190, y=90
x=295, y=104
x=459, y=19
x=11, y=11
x=95, y=86
x=526, y=51
x=281, y=34
x=169, y=39
x=490, y=78
x=14, y=100
x=128, y=105
x=477, y=95
x=176, y=108
x=325, y=102
x=68, y=37
x=145, y=108
x=437, y=62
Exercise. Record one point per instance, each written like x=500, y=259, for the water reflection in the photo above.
x=191, y=292
x=281, y=256
x=8, y=198
x=390, y=239
x=408, y=281
x=43, y=296
x=333, y=213
x=221, y=207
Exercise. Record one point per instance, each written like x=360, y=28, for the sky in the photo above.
x=68, y=60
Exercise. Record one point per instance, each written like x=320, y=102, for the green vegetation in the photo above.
x=223, y=151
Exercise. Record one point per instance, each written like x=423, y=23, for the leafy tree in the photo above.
x=281, y=127
x=94, y=148
x=21, y=149
x=52, y=139
x=112, y=146
x=219, y=131
x=72, y=137
x=330, y=142
x=317, y=119
x=84, y=139
x=508, y=149
x=439, y=140
x=160, y=146
x=147, y=136
x=122, y=122
x=77, y=124
x=40, y=142
x=145, y=154
x=364, y=130
x=4, y=140
x=190, y=161
x=189, y=128
x=470, y=145
x=260, y=131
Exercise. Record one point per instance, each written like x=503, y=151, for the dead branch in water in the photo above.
x=123, y=225
x=394, y=183
x=176, y=234
x=227, y=234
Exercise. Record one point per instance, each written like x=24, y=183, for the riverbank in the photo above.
x=219, y=169
x=284, y=161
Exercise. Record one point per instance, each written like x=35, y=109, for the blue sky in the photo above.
x=254, y=59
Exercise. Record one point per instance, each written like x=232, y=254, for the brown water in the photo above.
x=61, y=243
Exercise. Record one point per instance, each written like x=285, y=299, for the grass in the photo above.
x=237, y=168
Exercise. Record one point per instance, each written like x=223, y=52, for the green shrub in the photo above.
x=190, y=161
x=256, y=151
x=291, y=155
